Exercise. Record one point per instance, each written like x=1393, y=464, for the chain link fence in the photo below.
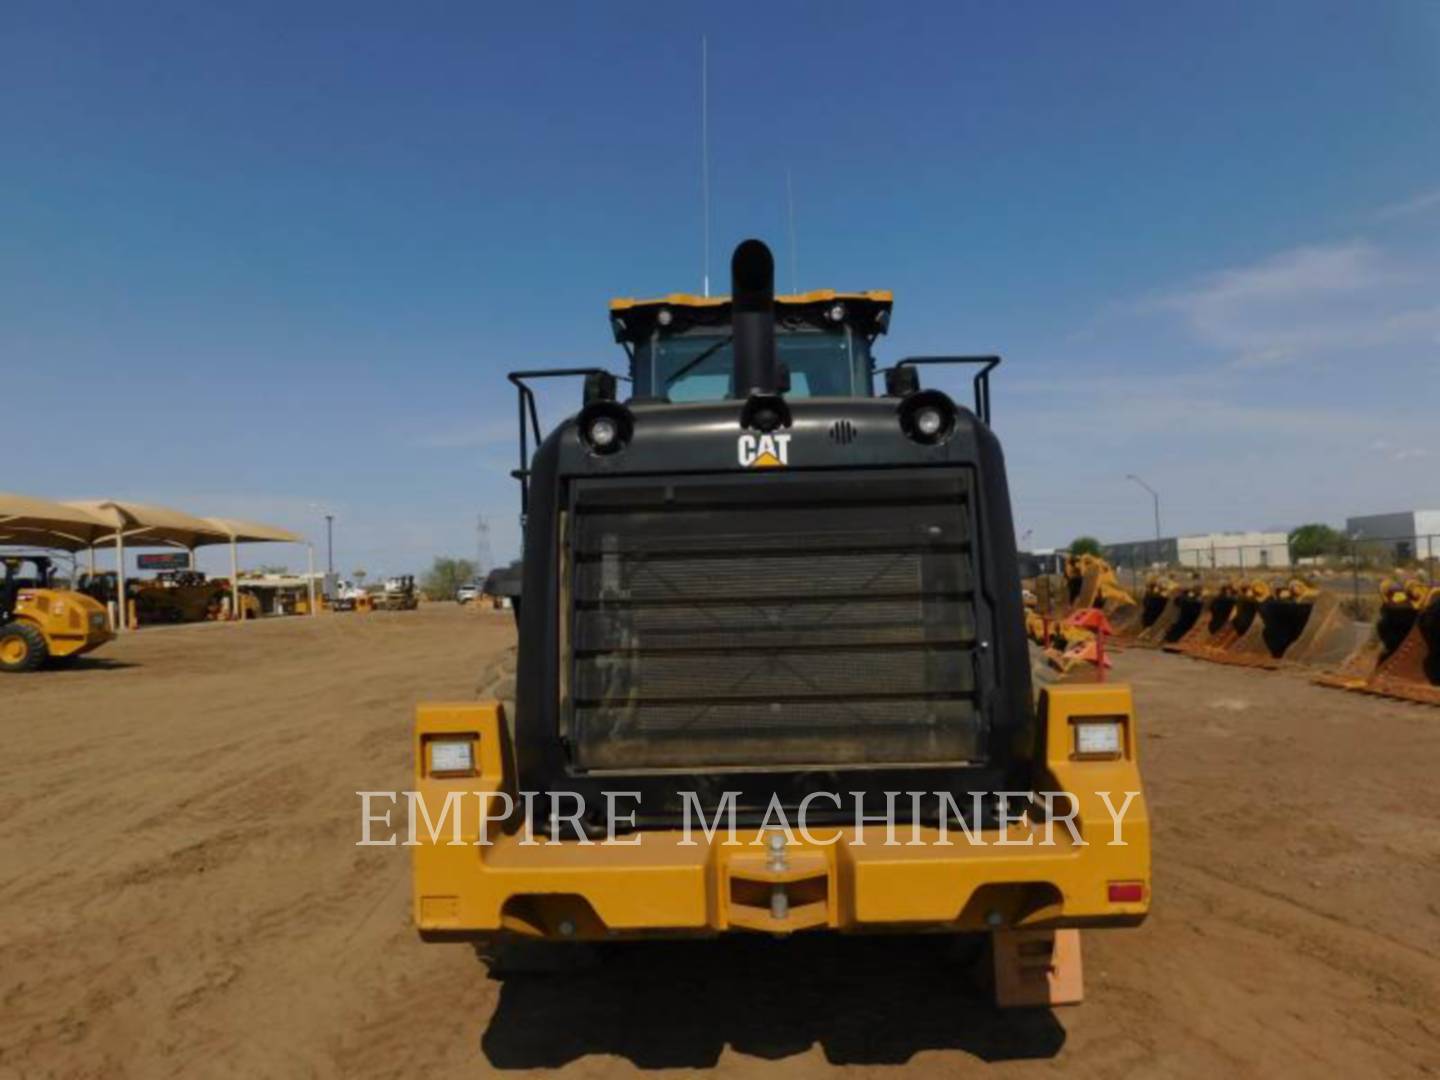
x=1356, y=568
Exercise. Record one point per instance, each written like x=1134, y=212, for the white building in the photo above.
x=1210, y=551
x=1411, y=534
x=1238, y=550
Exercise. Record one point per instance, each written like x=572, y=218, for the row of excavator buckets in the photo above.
x=1252, y=623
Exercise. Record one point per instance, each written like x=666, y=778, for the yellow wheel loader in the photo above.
x=39, y=623
x=772, y=674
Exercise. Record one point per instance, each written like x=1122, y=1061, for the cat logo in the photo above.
x=764, y=451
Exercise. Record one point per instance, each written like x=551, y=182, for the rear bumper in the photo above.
x=842, y=878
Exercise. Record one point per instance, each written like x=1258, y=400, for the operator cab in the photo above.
x=680, y=345
x=14, y=578
x=40, y=575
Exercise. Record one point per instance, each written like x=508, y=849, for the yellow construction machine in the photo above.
x=39, y=623
x=772, y=665
x=398, y=595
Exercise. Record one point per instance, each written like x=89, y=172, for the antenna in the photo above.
x=790, y=199
x=705, y=153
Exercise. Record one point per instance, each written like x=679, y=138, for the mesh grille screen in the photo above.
x=783, y=620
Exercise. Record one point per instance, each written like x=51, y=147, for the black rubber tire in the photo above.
x=36, y=650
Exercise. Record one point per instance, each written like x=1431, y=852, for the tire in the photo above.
x=497, y=683
x=22, y=647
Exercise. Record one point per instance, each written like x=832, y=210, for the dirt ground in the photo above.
x=180, y=893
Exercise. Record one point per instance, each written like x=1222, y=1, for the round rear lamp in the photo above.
x=602, y=432
x=929, y=421
x=605, y=426
x=927, y=416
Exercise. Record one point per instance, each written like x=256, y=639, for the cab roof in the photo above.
x=635, y=320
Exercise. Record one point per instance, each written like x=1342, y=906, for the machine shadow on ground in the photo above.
x=78, y=664
x=864, y=1001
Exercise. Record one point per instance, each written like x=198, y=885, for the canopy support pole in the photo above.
x=310, y=577
x=122, y=621
x=235, y=612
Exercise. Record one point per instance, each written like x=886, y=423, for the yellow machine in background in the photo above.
x=40, y=623
x=398, y=595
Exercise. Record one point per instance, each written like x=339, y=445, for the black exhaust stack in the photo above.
x=752, y=292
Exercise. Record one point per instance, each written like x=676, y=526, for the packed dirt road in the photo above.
x=180, y=893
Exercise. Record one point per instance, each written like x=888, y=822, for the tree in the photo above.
x=445, y=576
x=1085, y=545
x=269, y=569
x=1314, y=540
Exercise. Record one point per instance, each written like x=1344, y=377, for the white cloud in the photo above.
x=1429, y=200
x=1309, y=302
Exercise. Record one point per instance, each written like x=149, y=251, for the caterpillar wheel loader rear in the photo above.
x=40, y=623
x=772, y=668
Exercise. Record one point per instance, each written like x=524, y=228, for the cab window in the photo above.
x=700, y=366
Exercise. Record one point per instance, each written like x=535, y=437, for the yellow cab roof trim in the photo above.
x=818, y=296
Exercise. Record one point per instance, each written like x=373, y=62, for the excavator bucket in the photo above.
x=1154, y=602
x=1400, y=603
x=1295, y=623
x=1163, y=610
x=1401, y=658
x=1214, y=624
x=1191, y=603
x=1412, y=671
x=1090, y=582
x=1243, y=633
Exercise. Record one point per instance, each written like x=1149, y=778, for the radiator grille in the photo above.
x=789, y=620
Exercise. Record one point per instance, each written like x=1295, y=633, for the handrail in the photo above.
x=528, y=411
x=982, y=377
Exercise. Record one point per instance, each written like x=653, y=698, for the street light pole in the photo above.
x=330, y=544
x=1155, y=495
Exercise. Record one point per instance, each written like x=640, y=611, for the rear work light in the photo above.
x=1099, y=739
x=451, y=756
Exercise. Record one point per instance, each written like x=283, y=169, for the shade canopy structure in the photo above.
x=147, y=525
x=85, y=523
x=249, y=532
x=28, y=520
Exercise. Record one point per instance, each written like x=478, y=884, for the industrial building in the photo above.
x=1209, y=551
x=1408, y=534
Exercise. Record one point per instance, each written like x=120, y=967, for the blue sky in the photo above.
x=259, y=260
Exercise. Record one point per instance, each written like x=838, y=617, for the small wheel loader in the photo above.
x=772, y=673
